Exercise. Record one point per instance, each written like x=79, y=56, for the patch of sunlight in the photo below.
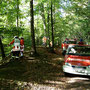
x=19, y=83
x=77, y=79
x=54, y=82
x=58, y=58
x=32, y=60
x=28, y=85
x=43, y=87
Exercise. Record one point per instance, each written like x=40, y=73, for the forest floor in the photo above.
x=43, y=72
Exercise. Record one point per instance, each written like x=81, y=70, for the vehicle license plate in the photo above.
x=80, y=70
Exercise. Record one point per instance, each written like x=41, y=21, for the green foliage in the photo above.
x=71, y=19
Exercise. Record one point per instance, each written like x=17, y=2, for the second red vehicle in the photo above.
x=77, y=60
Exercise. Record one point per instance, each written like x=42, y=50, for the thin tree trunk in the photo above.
x=52, y=28
x=18, y=16
x=32, y=27
x=2, y=49
x=48, y=31
x=54, y=25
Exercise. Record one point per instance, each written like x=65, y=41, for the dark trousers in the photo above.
x=16, y=53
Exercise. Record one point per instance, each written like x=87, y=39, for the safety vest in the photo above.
x=17, y=44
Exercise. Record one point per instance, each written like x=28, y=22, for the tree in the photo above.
x=32, y=27
x=52, y=27
x=43, y=18
x=2, y=49
x=18, y=16
x=48, y=29
x=56, y=18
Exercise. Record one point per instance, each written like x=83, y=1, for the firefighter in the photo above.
x=21, y=46
x=81, y=42
x=16, y=47
x=44, y=40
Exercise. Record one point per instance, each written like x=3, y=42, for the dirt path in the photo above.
x=43, y=72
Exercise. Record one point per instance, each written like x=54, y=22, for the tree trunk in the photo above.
x=18, y=16
x=48, y=31
x=52, y=28
x=54, y=24
x=32, y=28
x=2, y=49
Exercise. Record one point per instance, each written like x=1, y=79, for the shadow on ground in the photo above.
x=44, y=69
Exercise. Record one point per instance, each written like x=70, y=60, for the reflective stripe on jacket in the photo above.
x=17, y=44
